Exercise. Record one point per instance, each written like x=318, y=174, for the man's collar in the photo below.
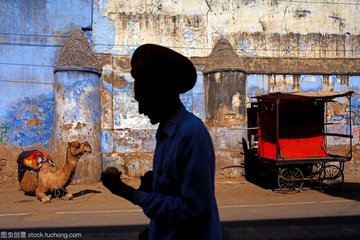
x=169, y=126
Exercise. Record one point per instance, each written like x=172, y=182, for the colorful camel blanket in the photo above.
x=32, y=160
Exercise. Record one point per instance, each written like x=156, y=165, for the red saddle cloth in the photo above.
x=32, y=160
x=36, y=159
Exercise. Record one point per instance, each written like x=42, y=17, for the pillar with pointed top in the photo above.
x=77, y=104
x=225, y=92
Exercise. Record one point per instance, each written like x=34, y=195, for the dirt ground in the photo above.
x=106, y=216
x=228, y=192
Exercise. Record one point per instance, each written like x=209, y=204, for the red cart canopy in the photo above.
x=291, y=125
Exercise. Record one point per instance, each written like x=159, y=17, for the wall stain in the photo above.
x=66, y=127
x=33, y=122
x=79, y=126
x=301, y=13
x=116, y=80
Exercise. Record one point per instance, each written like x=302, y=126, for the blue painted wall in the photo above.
x=31, y=35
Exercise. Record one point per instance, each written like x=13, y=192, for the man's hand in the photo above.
x=111, y=180
x=146, y=182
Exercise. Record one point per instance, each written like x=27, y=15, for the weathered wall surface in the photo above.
x=194, y=26
x=263, y=31
x=282, y=45
x=31, y=36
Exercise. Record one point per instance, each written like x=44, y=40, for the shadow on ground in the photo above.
x=267, y=177
x=334, y=228
x=85, y=192
x=348, y=190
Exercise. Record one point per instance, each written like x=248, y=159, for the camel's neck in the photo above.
x=68, y=169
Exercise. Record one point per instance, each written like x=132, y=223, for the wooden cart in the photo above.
x=292, y=141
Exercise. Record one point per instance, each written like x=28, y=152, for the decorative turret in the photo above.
x=77, y=103
x=76, y=54
x=225, y=92
x=223, y=58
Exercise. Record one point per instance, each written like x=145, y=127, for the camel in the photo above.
x=49, y=179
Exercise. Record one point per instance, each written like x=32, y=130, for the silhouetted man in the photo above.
x=181, y=203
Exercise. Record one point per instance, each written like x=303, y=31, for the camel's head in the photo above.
x=77, y=148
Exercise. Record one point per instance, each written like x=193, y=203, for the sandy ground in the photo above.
x=228, y=192
x=241, y=203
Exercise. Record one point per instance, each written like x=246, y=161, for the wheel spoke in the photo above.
x=333, y=176
x=290, y=179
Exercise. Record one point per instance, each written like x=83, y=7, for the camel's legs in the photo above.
x=41, y=195
x=68, y=196
x=65, y=194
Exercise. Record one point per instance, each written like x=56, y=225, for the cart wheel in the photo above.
x=333, y=176
x=317, y=169
x=290, y=180
x=317, y=173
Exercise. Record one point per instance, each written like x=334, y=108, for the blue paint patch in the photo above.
x=355, y=100
x=310, y=83
x=244, y=44
x=354, y=83
x=355, y=109
x=199, y=106
x=199, y=85
x=77, y=90
x=92, y=100
x=107, y=144
x=107, y=86
x=256, y=84
x=31, y=121
x=186, y=99
x=103, y=28
x=338, y=87
x=123, y=149
x=81, y=88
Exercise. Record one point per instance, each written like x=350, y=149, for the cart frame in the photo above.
x=325, y=169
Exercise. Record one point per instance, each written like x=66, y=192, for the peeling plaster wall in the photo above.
x=283, y=16
x=31, y=35
x=128, y=138
x=295, y=44
x=77, y=117
x=194, y=26
x=271, y=28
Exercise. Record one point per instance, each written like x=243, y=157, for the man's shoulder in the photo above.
x=191, y=122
